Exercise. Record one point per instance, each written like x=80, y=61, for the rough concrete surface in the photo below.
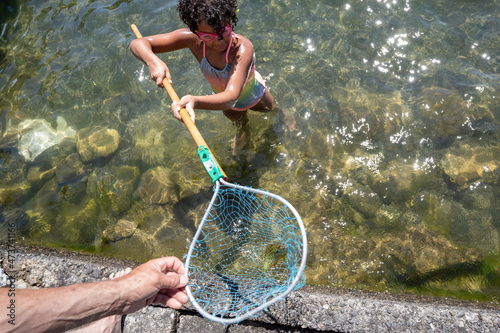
x=310, y=309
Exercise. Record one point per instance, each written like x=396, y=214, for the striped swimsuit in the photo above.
x=254, y=87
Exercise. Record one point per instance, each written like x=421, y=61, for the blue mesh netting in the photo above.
x=249, y=252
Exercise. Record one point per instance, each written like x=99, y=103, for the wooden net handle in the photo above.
x=198, y=139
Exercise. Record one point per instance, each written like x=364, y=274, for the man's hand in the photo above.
x=158, y=281
x=60, y=309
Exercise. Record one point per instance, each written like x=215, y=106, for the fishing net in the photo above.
x=250, y=248
x=249, y=252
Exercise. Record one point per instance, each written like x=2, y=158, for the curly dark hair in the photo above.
x=216, y=13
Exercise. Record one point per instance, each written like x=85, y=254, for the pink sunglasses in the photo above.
x=208, y=36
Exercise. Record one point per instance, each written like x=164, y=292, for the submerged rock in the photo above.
x=14, y=194
x=416, y=256
x=436, y=211
x=388, y=217
x=157, y=186
x=139, y=247
x=480, y=197
x=69, y=169
x=362, y=121
x=413, y=257
x=35, y=175
x=173, y=232
x=475, y=229
x=445, y=113
x=36, y=135
x=150, y=148
x=463, y=164
x=364, y=200
x=78, y=223
x=74, y=192
x=169, y=226
x=113, y=188
x=400, y=179
x=121, y=230
x=45, y=197
x=149, y=217
x=39, y=225
x=97, y=141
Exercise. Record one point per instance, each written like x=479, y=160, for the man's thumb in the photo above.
x=175, y=281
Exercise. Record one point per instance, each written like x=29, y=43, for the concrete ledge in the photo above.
x=311, y=309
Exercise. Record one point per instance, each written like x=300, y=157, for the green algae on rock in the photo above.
x=15, y=194
x=150, y=149
x=464, y=164
x=121, y=230
x=78, y=223
x=97, y=141
x=113, y=188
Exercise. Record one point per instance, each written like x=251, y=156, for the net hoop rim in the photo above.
x=253, y=312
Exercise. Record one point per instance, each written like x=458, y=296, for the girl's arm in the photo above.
x=240, y=69
x=145, y=48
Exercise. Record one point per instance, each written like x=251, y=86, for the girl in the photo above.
x=227, y=61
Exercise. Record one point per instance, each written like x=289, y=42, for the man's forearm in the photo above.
x=60, y=309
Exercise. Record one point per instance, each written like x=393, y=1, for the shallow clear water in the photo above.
x=392, y=158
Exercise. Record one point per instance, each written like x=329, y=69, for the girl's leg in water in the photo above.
x=240, y=122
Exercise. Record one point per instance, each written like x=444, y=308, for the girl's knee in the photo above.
x=236, y=116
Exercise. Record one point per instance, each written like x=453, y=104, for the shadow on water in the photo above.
x=441, y=275
x=8, y=11
x=3, y=54
x=192, y=202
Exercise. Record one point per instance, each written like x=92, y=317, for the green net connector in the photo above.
x=210, y=163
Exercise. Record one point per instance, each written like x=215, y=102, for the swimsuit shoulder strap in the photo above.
x=229, y=47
